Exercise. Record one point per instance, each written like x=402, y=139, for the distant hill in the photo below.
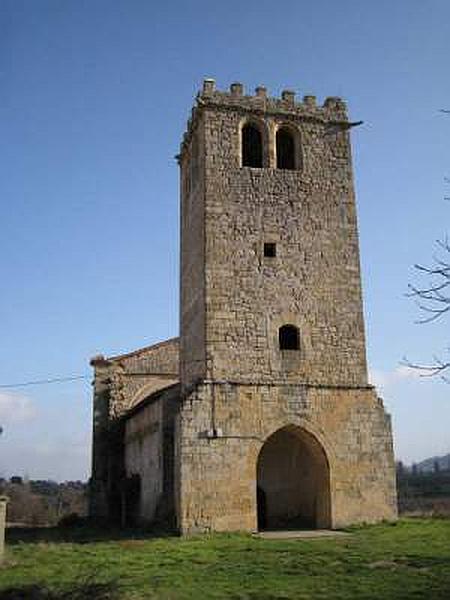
x=428, y=464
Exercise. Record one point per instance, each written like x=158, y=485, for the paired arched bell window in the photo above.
x=252, y=146
x=289, y=337
x=285, y=149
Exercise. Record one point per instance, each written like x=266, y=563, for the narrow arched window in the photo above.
x=285, y=147
x=251, y=146
x=289, y=338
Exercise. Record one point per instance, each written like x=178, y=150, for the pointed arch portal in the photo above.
x=293, y=481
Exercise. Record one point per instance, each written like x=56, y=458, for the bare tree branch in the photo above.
x=437, y=368
x=433, y=298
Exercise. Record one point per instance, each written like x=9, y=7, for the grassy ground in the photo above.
x=407, y=560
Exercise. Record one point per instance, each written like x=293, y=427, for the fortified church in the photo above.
x=260, y=414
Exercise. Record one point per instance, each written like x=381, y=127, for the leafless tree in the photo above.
x=433, y=299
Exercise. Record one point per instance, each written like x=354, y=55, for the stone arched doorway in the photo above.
x=293, y=481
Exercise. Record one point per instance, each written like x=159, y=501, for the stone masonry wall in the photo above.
x=314, y=281
x=138, y=374
x=218, y=475
x=148, y=452
x=192, y=273
x=121, y=383
x=143, y=455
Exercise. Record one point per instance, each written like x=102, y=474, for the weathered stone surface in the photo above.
x=121, y=383
x=219, y=475
x=239, y=297
x=148, y=453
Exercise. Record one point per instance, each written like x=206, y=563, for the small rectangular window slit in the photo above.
x=270, y=249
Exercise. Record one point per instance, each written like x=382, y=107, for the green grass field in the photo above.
x=407, y=560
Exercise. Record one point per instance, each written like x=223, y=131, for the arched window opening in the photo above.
x=289, y=338
x=285, y=146
x=251, y=147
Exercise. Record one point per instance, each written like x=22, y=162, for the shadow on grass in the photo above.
x=82, y=591
x=85, y=533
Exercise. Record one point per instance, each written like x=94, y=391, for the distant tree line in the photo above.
x=424, y=491
x=37, y=503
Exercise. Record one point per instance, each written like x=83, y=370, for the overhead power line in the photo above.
x=44, y=381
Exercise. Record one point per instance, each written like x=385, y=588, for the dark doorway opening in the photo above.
x=293, y=489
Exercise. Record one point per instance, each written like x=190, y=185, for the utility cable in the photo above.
x=44, y=381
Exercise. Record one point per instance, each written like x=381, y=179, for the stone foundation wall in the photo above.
x=217, y=475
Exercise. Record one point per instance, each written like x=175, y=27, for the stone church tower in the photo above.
x=270, y=421
x=277, y=418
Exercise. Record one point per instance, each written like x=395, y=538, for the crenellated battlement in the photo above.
x=332, y=107
x=332, y=111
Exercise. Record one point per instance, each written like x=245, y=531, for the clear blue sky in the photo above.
x=95, y=96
